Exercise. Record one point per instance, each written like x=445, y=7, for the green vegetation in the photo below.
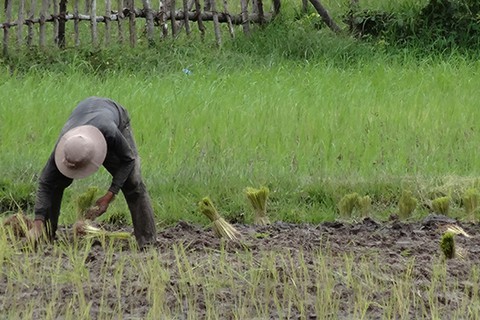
x=407, y=204
x=318, y=119
x=470, y=202
x=447, y=244
x=258, y=200
x=441, y=205
x=311, y=115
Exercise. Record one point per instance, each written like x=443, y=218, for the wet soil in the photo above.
x=392, y=249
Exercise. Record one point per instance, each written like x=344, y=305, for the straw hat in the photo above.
x=80, y=152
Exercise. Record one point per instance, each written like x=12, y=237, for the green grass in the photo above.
x=310, y=115
x=312, y=132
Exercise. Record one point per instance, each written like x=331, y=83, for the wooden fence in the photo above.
x=52, y=22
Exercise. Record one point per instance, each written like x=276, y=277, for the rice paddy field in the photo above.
x=315, y=120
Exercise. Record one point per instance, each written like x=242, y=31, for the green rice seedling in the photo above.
x=258, y=200
x=85, y=229
x=365, y=205
x=19, y=223
x=85, y=201
x=441, y=205
x=222, y=228
x=470, y=202
x=347, y=204
x=447, y=244
x=407, y=204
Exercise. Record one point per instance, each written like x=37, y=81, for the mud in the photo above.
x=389, y=250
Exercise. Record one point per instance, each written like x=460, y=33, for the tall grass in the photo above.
x=294, y=127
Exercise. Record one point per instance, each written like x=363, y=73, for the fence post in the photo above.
x=185, y=17
x=43, y=18
x=61, y=24
x=245, y=22
x=31, y=14
x=107, y=19
x=163, y=18
x=172, y=18
x=54, y=17
x=93, y=22
x=261, y=14
x=229, y=19
x=75, y=23
x=6, y=26
x=276, y=7
x=216, y=24
x=131, y=15
x=147, y=7
x=120, y=18
x=21, y=21
x=198, y=15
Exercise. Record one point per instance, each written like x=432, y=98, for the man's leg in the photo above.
x=140, y=206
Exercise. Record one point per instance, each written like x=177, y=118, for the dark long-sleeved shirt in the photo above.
x=112, y=120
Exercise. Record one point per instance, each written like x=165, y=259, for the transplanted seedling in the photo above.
x=258, y=200
x=447, y=244
x=365, y=204
x=407, y=204
x=470, y=202
x=441, y=205
x=347, y=204
x=19, y=223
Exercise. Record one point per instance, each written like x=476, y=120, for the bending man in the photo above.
x=97, y=132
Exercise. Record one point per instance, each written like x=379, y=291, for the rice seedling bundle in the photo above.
x=220, y=226
x=258, y=200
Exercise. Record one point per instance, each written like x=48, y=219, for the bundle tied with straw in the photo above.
x=222, y=228
x=258, y=199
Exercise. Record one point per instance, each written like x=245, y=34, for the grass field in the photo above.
x=312, y=132
x=312, y=116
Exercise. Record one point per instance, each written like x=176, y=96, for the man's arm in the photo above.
x=126, y=157
x=48, y=197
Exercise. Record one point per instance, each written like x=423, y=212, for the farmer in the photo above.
x=97, y=132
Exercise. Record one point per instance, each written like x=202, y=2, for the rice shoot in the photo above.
x=258, y=200
x=441, y=205
x=85, y=201
x=220, y=226
x=447, y=244
x=85, y=229
x=19, y=223
x=407, y=204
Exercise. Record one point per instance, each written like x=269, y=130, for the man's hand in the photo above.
x=101, y=206
x=36, y=232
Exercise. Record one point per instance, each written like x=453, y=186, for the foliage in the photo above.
x=440, y=25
